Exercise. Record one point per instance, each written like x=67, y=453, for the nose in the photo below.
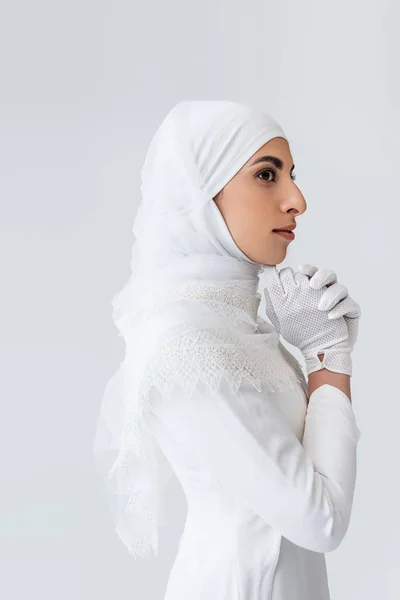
x=294, y=201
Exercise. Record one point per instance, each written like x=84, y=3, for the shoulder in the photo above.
x=189, y=355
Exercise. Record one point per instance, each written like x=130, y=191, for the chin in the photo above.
x=274, y=258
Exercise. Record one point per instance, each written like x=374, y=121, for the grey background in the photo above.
x=84, y=85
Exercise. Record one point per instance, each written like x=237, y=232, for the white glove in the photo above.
x=346, y=307
x=298, y=308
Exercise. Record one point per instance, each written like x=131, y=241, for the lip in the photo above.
x=287, y=235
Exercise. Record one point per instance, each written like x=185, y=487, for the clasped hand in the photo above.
x=315, y=313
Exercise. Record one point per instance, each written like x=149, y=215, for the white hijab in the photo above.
x=188, y=276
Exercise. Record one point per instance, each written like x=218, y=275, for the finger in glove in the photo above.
x=307, y=269
x=332, y=296
x=346, y=308
x=323, y=277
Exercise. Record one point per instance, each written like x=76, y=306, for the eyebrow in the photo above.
x=274, y=159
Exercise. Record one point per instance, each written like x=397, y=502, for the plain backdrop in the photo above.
x=84, y=86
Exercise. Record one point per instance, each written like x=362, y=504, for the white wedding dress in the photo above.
x=269, y=479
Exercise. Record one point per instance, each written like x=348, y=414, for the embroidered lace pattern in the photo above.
x=189, y=355
x=229, y=302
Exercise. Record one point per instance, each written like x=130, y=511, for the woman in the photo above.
x=207, y=391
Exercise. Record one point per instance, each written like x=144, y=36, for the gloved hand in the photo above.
x=309, y=314
x=340, y=304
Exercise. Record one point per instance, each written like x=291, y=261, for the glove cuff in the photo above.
x=336, y=361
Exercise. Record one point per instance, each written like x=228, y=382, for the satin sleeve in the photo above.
x=303, y=489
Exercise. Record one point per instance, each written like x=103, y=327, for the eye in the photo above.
x=293, y=177
x=267, y=171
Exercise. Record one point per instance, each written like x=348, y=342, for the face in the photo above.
x=261, y=197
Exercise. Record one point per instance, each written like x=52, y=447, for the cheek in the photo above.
x=254, y=227
x=259, y=214
x=250, y=212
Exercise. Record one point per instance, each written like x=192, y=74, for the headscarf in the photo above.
x=191, y=288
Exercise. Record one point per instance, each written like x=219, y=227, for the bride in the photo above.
x=263, y=447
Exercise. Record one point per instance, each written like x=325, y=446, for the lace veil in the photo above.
x=188, y=307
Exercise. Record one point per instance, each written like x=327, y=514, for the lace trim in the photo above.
x=189, y=355
x=231, y=302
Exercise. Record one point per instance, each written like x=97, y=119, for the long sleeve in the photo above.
x=304, y=489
